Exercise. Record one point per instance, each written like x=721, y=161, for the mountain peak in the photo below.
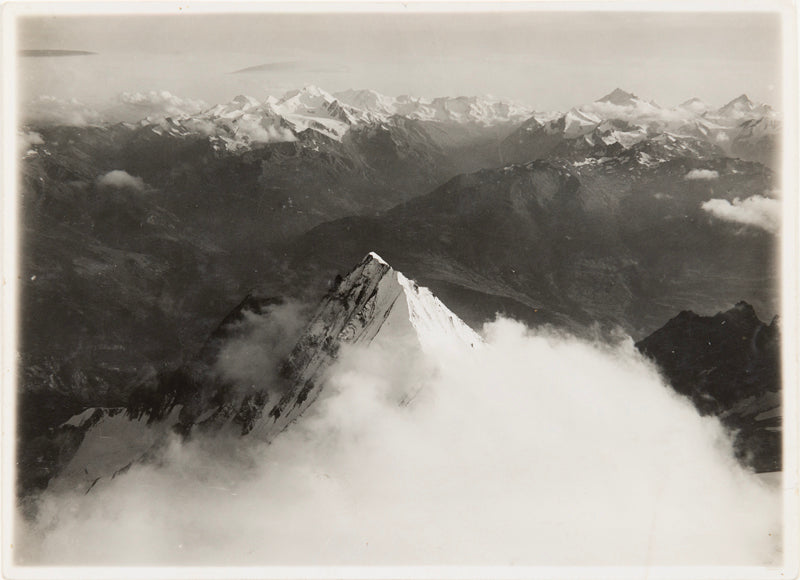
x=741, y=104
x=742, y=310
x=245, y=101
x=313, y=90
x=378, y=286
x=619, y=97
x=309, y=94
x=377, y=258
x=694, y=104
x=372, y=307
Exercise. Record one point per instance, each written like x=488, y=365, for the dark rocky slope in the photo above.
x=729, y=366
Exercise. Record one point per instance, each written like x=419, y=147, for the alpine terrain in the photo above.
x=138, y=237
x=372, y=305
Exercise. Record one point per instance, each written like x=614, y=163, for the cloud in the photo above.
x=638, y=112
x=254, y=129
x=42, y=53
x=249, y=359
x=121, y=179
x=292, y=65
x=242, y=132
x=757, y=211
x=48, y=111
x=27, y=140
x=270, y=66
x=705, y=174
x=160, y=104
x=512, y=453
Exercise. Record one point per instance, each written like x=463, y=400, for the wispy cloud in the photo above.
x=270, y=66
x=49, y=52
x=292, y=65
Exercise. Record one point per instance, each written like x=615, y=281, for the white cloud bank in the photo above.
x=533, y=450
x=756, y=211
x=119, y=179
x=639, y=111
x=702, y=174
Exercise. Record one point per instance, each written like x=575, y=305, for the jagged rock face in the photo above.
x=372, y=305
x=729, y=366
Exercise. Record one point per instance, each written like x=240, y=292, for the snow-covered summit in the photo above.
x=245, y=121
x=476, y=110
x=376, y=299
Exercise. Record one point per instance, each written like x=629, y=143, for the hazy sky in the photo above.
x=548, y=60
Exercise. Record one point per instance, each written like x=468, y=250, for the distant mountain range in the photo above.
x=618, y=117
x=740, y=128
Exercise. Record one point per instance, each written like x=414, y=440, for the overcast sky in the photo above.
x=547, y=60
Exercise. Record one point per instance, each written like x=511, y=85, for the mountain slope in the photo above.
x=621, y=241
x=729, y=366
x=374, y=306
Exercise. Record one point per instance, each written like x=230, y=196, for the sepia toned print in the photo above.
x=463, y=288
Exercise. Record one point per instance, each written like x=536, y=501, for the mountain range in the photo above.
x=137, y=238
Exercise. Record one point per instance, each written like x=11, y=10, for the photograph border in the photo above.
x=790, y=298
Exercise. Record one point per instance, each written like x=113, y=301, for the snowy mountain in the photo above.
x=245, y=121
x=483, y=111
x=695, y=105
x=620, y=120
x=742, y=108
x=373, y=306
x=159, y=244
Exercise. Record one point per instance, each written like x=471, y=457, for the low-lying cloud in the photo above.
x=755, y=211
x=119, y=179
x=27, y=140
x=51, y=111
x=702, y=174
x=254, y=129
x=246, y=130
x=638, y=111
x=534, y=449
x=161, y=104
